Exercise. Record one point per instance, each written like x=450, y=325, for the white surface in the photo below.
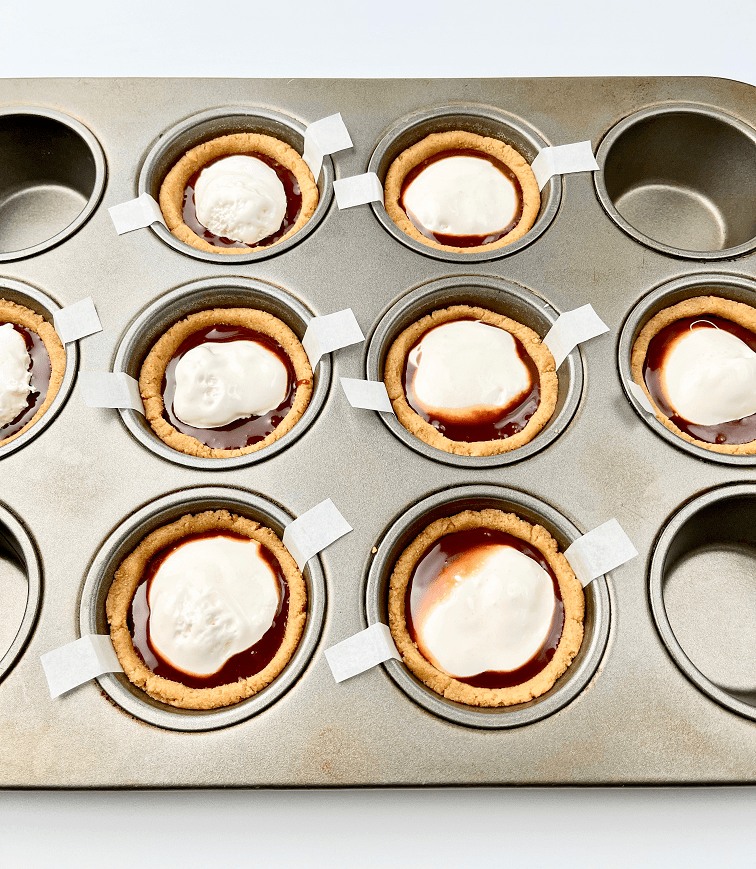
x=71, y=665
x=311, y=532
x=581, y=828
x=572, y=328
x=599, y=551
x=331, y=332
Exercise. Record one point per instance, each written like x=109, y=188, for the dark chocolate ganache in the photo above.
x=293, y=204
x=463, y=240
x=40, y=380
x=461, y=544
x=738, y=431
x=484, y=424
x=241, y=432
x=242, y=665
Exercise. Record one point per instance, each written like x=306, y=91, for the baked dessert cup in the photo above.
x=541, y=357
x=11, y=312
x=570, y=590
x=699, y=308
x=458, y=140
x=173, y=188
x=132, y=572
x=153, y=371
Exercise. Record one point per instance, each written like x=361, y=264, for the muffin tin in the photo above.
x=663, y=690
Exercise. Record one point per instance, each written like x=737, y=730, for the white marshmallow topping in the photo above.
x=240, y=198
x=492, y=614
x=209, y=600
x=461, y=196
x=467, y=364
x=709, y=376
x=15, y=374
x=217, y=383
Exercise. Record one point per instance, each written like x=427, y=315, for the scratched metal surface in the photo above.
x=639, y=720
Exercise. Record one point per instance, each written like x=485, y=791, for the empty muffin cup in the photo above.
x=448, y=503
x=733, y=287
x=702, y=586
x=53, y=177
x=502, y=297
x=212, y=124
x=482, y=121
x=675, y=177
x=125, y=538
x=229, y=292
x=20, y=589
x=41, y=304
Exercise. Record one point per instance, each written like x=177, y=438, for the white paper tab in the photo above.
x=135, y=214
x=78, y=662
x=367, y=394
x=561, y=159
x=313, y=531
x=356, y=654
x=571, y=329
x=636, y=390
x=358, y=190
x=77, y=321
x=325, y=136
x=599, y=551
x=331, y=332
x=110, y=389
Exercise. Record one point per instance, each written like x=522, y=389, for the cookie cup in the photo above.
x=153, y=371
x=540, y=354
x=569, y=587
x=129, y=575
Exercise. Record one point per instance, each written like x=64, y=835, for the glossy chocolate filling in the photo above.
x=241, y=432
x=40, y=381
x=738, y=431
x=484, y=424
x=463, y=240
x=293, y=204
x=242, y=665
x=448, y=549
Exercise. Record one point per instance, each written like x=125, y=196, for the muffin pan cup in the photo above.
x=483, y=121
x=126, y=538
x=204, y=295
x=176, y=141
x=90, y=482
x=502, y=297
x=54, y=174
x=734, y=287
x=702, y=585
x=597, y=608
x=39, y=302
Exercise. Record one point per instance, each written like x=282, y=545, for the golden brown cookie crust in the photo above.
x=414, y=423
x=124, y=586
x=153, y=370
x=10, y=312
x=434, y=144
x=171, y=197
x=570, y=589
x=737, y=312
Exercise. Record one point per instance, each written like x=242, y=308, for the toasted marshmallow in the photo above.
x=491, y=610
x=217, y=383
x=465, y=365
x=209, y=600
x=240, y=198
x=15, y=374
x=461, y=196
x=709, y=376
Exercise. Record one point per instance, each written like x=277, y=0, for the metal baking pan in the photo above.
x=664, y=688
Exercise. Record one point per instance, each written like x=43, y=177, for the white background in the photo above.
x=432, y=828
